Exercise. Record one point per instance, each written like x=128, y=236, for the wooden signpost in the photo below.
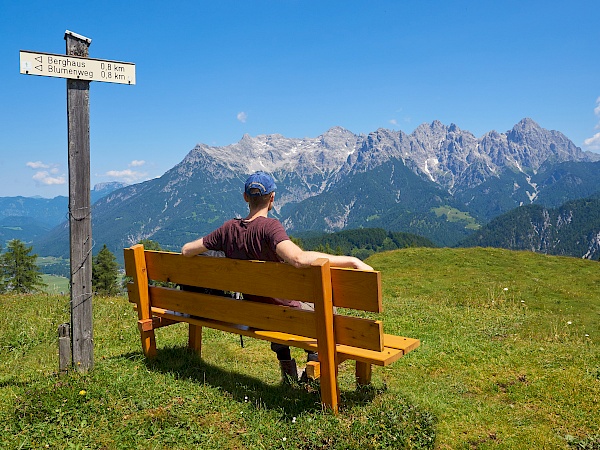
x=79, y=70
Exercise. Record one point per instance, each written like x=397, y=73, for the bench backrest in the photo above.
x=319, y=284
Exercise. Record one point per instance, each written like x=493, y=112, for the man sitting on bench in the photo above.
x=259, y=237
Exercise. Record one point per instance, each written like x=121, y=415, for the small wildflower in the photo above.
x=82, y=392
x=284, y=439
x=505, y=289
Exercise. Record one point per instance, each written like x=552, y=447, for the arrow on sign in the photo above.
x=40, y=67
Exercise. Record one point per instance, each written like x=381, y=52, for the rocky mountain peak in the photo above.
x=339, y=138
x=444, y=154
x=435, y=128
x=530, y=146
x=108, y=186
x=526, y=128
x=527, y=124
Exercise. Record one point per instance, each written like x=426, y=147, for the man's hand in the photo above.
x=194, y=248
x=361, y=265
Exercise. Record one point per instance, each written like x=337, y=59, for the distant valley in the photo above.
x=31, y=218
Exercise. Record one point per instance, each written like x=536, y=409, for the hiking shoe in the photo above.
x=289, y=371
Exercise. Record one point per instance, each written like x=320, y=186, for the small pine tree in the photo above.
x=149, y=244
x=18, y=269
x=105, y=273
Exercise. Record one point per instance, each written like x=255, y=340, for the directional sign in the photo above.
x=77, y=68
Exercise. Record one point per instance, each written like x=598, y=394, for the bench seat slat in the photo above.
x=392, y=350
x=403, y=343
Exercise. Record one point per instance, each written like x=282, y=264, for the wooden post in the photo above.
x=64, y=348
x=80, y=221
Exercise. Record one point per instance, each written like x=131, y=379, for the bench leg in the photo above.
x=146, y=327
x=195, y=339
x=330, y=392
x=363, y=373
x=148, y=343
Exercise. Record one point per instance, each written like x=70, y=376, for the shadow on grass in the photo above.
x=183, y=363
x=12, y=382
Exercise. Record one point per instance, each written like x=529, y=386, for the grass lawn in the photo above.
x=509, y=359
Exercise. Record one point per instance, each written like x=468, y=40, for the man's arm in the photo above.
x=294, y=255
x=194, y=248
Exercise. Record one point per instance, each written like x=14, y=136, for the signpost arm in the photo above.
x=80, y=221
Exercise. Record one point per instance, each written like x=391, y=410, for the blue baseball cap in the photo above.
x=261, y=181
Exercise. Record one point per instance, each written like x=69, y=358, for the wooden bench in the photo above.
x=336, y=337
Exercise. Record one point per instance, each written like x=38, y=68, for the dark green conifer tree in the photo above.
x=18, y=269
x=105, y=273
x=149, y=244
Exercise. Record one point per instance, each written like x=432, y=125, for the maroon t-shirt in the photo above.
x=255, y=239
x=242, y=239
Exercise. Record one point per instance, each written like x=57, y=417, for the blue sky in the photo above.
x=211, y=71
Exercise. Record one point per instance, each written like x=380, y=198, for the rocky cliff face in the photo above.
x=571, y=229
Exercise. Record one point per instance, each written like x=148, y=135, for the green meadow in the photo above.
x=509, y=358
x=56, y=284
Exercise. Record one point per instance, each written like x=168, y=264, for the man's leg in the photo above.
x=282, y=351
x=289, y=371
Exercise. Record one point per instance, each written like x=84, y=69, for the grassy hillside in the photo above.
x=510, y=341
x=509, y=359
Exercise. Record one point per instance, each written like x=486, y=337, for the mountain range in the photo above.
x=30, y=218
x=439, y=182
